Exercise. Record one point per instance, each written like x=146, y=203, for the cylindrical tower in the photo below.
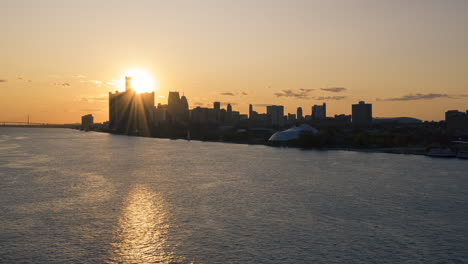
x=128, y=83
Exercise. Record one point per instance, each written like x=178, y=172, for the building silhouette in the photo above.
x=177, y=108
x=129, y=112
x=299, y=114
x=362, y=114
x=455, y=119
x=87, y=121
x=276, y=114
x=319, y=111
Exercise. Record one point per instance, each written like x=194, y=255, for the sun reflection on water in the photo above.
x=143, y=230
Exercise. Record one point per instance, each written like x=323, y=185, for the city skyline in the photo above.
x=62, y=60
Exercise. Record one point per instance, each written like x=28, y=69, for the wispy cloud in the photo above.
x=200, y=104
x=1, y=81
x=419, y=96
x=102, y=98
x=64, y=84
x=233, y=93
x=321, y=98
x=298, y=94
x=261, y=105
x=334, y=89
x=92, y=110
x=226, y=103
x=79, y=76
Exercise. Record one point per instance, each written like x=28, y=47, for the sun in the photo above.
x=142, y=81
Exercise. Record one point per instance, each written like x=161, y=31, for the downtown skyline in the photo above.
x=407, y=59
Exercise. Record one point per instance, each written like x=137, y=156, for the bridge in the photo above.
x=9, y=123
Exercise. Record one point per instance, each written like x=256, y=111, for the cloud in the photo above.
x=233, y=93
x=298, y=94
x=102, y=98
x=330, y=98
x=334, y=89
x=65, y=84
x=3, y=81
x=199, y=104
x=79, y=76
x=92, y=110
x=226, y=103
x=418, y=96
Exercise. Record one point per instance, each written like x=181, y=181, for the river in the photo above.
x=68, y=196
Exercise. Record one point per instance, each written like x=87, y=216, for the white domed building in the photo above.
x=291, y=134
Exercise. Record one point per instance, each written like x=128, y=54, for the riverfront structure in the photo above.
x=362, y=114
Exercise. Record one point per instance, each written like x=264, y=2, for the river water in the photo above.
x=73, y=197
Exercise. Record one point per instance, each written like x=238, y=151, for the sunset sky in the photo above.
x=59, y=59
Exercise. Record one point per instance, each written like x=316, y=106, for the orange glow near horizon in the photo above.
x=142, y=81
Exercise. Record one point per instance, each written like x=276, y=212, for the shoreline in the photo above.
x=421, y=151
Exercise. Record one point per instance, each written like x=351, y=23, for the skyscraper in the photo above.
x=217, y=105
x=129, y=112
x=250, y=111
x=319, y=111
x=362, y=114
x=455, y=119
x=177, y=108
x=276, y=113
x=229, y=114
x=299, y=113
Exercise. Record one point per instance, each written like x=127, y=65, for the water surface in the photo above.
x=73, y=197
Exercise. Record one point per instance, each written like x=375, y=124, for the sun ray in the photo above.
x=142, y=81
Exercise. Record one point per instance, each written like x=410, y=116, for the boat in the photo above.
x=441, y=153
x=462, y=154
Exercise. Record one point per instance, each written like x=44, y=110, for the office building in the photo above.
x=362, y=114
x=87, y=121
x=299, y=113
x=456, y=120
x=276, y=114
x=129, y=112
x=177, y=108
x=319, y=111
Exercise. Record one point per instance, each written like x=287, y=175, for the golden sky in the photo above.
x=59, y=59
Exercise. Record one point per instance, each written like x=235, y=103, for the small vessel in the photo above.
x=441, y=153
x=462, y=154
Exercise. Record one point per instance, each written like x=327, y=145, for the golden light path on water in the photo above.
x=143, y=230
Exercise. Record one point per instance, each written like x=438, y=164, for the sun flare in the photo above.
x=142, y=81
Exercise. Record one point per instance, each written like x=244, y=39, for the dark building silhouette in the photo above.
x=229, y=118
x=250, y=111
x=177, y=108
x=276, y=113
x=299, y=114
x=86, y=121
x=343, y=119
x=291, y=117
x=319, y=111
x=160, y=114
x=129, y=112
x=216, y=105
x=456, y=120
x=362, y=114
